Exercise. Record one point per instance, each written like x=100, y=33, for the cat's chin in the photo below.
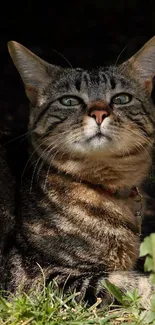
x=96, y=145
x=99, y=139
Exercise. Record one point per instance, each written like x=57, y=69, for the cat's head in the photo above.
x=106, y=111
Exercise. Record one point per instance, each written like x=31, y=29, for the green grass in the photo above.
x=48, y=306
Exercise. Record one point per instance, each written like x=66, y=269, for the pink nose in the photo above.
x=99, y=115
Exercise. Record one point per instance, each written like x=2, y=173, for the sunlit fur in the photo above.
x=66, y=221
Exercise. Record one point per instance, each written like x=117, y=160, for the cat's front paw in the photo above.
x=127, y=281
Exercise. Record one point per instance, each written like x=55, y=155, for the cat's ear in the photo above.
x=143, y=62
x=34, y=71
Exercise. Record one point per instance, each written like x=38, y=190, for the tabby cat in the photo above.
x=90, y=145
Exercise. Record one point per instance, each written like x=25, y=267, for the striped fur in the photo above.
x=66, y=221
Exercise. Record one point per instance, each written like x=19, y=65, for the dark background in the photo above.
x=87, y=33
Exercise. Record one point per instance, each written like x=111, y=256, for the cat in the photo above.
x=91, y=136
x=11, y=136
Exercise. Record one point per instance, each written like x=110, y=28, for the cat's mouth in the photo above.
x=100, y=137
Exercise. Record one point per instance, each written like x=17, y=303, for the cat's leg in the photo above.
x=90, y=287
x=127, y=281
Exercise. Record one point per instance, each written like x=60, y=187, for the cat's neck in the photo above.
x=124, y=192
x=114, y=173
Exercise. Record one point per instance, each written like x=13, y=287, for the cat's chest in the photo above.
x=79, y=225
x=89, y=205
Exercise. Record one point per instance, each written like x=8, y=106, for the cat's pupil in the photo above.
x=68, y=102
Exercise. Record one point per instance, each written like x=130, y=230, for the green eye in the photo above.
x=121, y=99
x=69, y=101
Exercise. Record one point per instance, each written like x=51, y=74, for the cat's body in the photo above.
x=88, y=150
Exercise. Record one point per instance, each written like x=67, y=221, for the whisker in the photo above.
x=50, y=164
x=49, y=150
x=31, y=157
x=34, y=153
x=47, y=174
x=33, y=174
x=36, y=164
x=119, y=55
x=20, y=136
x=63, y=57
x=140, y=136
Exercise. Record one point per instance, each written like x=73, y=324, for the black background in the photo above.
x=87, y=33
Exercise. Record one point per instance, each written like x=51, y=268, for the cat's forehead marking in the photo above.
x=90, y=83
x=98, y=83
x=108, y=78
x=90, y=79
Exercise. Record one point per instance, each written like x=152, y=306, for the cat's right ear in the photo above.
x=143, y=63
x=35, y=72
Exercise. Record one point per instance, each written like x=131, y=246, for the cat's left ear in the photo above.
x=143, y=63
x=35, y=72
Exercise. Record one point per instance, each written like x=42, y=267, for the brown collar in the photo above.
x=138, y=207
x=137, y=201
x=133, y=192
